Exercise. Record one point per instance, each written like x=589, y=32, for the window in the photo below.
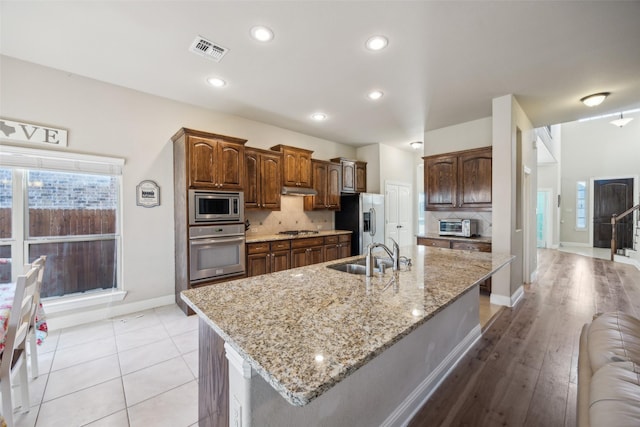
x=581, y=205
x=69, y=211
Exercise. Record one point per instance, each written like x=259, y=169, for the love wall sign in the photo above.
x=30, y=133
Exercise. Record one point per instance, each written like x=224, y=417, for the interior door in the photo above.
x=399, y=209
x=612, y=196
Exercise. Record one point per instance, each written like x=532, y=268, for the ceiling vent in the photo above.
x=208, y=49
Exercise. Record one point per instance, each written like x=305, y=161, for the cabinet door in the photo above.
x=361, y=177
x=440, y=182
x=474, y=179
x=270, y=181
x=304, y=169
x=345, y=246
x=258, y=264
x=319, y=201
x=299, y=257
x=315, y=255
x=231, y=165
x=290, y=168
x=436, y=243
x=202, y=162
x=348, y=176
x=331, y=252
x=471, y=246
x=251, y=179
x=333, y=186
x=280, y=260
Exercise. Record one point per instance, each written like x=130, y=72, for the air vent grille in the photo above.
x=208, y=49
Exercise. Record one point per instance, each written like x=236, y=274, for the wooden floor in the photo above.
x=523, y=370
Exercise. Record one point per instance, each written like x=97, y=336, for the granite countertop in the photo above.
x=256, y=238
x=479, y=239
x=306, y=329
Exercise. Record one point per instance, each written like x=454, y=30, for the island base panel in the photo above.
x=213, y=384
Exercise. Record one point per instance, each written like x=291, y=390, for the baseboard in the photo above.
x=78, y=318
x=507, y=301
x=403, y=414
x=575, y=244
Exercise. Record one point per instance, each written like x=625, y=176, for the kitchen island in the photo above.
x=318, y=346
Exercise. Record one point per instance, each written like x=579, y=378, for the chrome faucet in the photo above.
x=370, y=260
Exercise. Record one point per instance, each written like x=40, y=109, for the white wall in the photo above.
x=507, y=237
x=371, y=155
x=104, y=119
x=595, y=149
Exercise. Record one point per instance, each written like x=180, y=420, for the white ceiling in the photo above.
x=444, y=63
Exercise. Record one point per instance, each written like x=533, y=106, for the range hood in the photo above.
x=298, y=191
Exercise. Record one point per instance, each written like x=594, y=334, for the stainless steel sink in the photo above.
x=358, y=266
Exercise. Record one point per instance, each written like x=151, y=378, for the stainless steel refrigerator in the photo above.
x=363, y=215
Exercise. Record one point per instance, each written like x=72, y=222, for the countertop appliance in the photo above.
x=363, y=215
x=458, y=227
x=210, y=207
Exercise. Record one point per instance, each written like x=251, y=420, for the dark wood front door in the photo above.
x=612, y=196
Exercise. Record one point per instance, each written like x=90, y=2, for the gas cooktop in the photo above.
x=298, y=232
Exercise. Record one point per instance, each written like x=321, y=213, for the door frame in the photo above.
x=592, y=180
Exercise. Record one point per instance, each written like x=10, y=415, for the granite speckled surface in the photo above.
x=270, y=237
x=305, y=329
x=479, y=239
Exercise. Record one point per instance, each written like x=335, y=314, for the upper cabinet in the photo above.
x=296, y=169
x=213, y=161
x=263, y=179
x=458, y=181
x=326, y=178
x=354, y=175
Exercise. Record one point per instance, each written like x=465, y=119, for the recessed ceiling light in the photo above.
x=375, y=94
x=261, y=33
x=318, y=117
x=595, y=99
x=216, y=82
x=377, y=43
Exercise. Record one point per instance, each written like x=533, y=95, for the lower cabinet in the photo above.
x=307, y=251
x=268, y=257
x=278, y=255
x=460, y=245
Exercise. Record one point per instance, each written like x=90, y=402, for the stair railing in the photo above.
x=614, y=219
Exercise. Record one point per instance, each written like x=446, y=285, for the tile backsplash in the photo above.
x=484, y=220
x=291, y=216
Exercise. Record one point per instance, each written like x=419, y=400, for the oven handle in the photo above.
x=208, y=241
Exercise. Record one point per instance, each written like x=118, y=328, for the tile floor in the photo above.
x=136, y=370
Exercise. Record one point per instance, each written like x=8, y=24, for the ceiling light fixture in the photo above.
x=375, y=95
x=621, y=121
x=261, y=33
x=416, y=144
x=216, y=82
x=595, y=99
x=318, y=117
x=377, y=43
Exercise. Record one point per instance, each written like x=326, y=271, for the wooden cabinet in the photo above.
x=296, y=166
x=268, y=257
x=307, y=251
x=336, y=247
x=201, y=160
x=215, y=161
x=354, y=175
x=458, y=181
x=466, y=245
x=326, y=179
x=263, y=179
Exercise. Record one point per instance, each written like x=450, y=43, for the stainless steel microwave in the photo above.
x=458, y=227
x=206, y=206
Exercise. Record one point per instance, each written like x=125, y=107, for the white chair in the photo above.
x=31, y=338
x=14, y=355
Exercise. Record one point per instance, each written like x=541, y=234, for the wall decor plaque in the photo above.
x=30, y=133
x=147, y=194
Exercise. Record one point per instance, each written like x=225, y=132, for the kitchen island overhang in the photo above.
x=307, y=329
